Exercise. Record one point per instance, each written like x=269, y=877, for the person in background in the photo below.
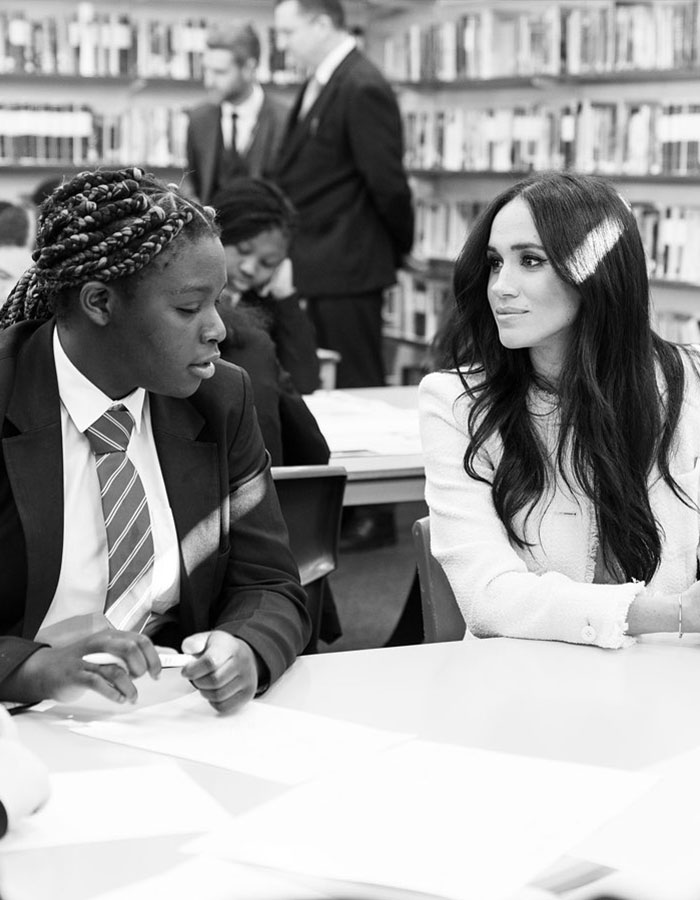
x=341, y=164
x=15, y=254
x=562, y=435
x=136, y=502
x=238, y=131
x=267, y=332
x=258, y=224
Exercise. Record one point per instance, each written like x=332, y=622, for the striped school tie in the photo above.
x=129, y=537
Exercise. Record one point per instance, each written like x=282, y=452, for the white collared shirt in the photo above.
x=248, y=112
x=82, y=583
x=330, y=63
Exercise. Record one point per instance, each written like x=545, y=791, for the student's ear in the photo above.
x=96, y=300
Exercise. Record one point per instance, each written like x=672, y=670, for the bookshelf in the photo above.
x=492, y=90
x=108, y=81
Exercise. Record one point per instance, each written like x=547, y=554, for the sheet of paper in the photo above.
x=213, y=879
x=449, y=821
x=657, y=835
x=267, y=741
x=353, y=426
x=117, y=804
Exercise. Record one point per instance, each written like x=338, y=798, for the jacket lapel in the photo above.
x=298, y=132
x=209, y=130
x=190, y=470
x=34, y=460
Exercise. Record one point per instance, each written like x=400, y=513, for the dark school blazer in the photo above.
x=204, y=143
x=342, y=167
x=236, y=570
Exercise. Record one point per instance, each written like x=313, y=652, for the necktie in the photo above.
x=128, y=523
x=311, y=92
x=234, y=132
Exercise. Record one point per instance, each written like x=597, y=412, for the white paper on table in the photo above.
x=267, y=741
x=117, y=804
x=213, y=879
x=449, y=821
x=354, y=426
x=658, y=834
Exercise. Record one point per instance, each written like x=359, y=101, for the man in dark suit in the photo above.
x=117, y=325
x=341, y=163
x=239, y=131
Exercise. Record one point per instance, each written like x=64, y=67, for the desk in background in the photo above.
x=625, y=709
x=373, y=433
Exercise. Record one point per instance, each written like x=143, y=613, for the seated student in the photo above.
x=15, y=254
x=257, y=224
x=267, y=332
x=136, y=504
x=562, y=435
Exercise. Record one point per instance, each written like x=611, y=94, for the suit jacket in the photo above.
x=205, y=145
x=342, y=166
x=237, y=572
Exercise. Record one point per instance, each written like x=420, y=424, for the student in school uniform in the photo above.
x=238, y=131
x=136, y=503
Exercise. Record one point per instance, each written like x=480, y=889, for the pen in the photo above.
x=167, y=660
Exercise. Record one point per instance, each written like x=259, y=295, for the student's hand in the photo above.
x=61, y=673
x=225, y=671
x=281, y=284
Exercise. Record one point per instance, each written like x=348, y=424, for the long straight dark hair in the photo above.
x=621, y=386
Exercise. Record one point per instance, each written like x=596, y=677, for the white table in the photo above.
x=377, y=473
x=624, y=709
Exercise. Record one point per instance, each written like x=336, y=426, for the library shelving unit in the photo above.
x=490, y=91
x=107, y=82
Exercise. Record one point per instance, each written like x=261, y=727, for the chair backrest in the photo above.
x=442, y=619
x=311, y=499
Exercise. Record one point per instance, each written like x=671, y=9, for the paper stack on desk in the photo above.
x=447, y=821
x=354, y=426
x=263, y=740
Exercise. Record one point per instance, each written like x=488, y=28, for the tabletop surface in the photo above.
x=625, y=709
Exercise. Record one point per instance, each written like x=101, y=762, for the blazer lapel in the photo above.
x=209, y=130
x=254, y=155
x=34, y=460
x=298, y=131
x=190, y=470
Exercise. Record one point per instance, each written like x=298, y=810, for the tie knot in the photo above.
x=111, y=432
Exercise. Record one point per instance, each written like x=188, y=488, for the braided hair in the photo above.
x=103, y=224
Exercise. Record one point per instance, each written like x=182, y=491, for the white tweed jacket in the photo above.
x=545, y=591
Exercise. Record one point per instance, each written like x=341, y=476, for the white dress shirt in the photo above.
x=332, y=60
x=248, y=112
x=82, y=584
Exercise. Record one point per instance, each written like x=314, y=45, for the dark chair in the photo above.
x=311, y=498
x=442, y=619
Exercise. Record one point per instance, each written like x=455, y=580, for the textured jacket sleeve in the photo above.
x=496, y=592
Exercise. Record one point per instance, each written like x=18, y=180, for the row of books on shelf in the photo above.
x=71, y=135
x=92, y=42
x=622, y=137
x=670, y=234
x=416, y=306
x=572, y=38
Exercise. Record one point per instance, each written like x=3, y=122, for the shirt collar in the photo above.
x=248, y=108
x=332, y=60
x=84, y=402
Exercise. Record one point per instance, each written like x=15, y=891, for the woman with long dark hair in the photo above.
x=562, y=435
